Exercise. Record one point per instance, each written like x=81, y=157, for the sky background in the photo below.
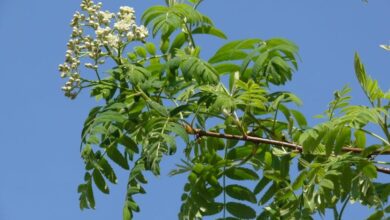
x=40, y=129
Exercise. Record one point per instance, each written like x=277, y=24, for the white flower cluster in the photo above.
x=111, y=33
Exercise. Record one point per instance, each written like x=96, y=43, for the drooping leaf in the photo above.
x=126, y=214
x=115, y=155
x=209, y=30
x=327, y=183
x=370, y=171
x=261, y=185
x=360, y=139
x=234, y=50
x=137, y=74
x=107, y=170
x=241, y=193
x=299, y=117
x=342, y=139
x=158, y=107
x=200, y=70
x=179, y=130
x=100, y=182
x=299, y=181
x=378, y=215
x=240, y=210
x=268, y=194
x=241, y=173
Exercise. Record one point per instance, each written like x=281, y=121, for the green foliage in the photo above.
x=156, y=95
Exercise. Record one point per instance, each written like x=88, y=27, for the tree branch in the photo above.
x=292, y=146
x=383, y=169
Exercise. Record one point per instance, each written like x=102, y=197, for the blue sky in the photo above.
x=40, y=128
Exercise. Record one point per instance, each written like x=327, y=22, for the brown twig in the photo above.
x=292, y=146
x=383, y=169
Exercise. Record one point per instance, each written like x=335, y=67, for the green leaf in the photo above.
x=209, y=30
x=240, y=152
x=240, y=210
x=115, y=155
x=299, y=181
x=226, y=68
x=132, y=206
x=387, y=209
x=327, y=183
x=168, y=19
x=158, y=107
x=267, y=159
x=128, y=143
x=269, y=194
x=93, y=140
x=152, y=13
x=164, y=45
x=342, y=139
x=261, y=185
x=107, y=170
x=370, y=171
x=240, y=193
x=274, y=175
x=126, y=213
x=110, y=116
x=179, y=109
x=299, y=117
x=136, y=74
x=260, y=63
x=234, y=50
x=241, y=173
x=178, y=42
x=89, y=121
x=193, y=67
x=100, y=182
x=360, y=139
x=89, y=195
x=179, y=130
x=140, y=51
x=329, y=140
x=230, y=56
x=370, y=86
x=378, y=215
x=151, y=48
x=211, y=208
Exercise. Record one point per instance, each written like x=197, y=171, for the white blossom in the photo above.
x=130, y=36
x=123, y=25
x=112, y=40
x=105, y=17
x=109, y=31
x=126, y=10
x=141, y=32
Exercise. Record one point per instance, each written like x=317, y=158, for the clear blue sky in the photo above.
x=40, y=129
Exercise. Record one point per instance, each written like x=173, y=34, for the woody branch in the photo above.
x=292, y=146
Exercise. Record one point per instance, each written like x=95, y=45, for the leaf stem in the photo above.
x=224, y=183
x=343, y=207
x=335, y=213
x=96, y=70
x=197, y=4
x=275, y=116
x=191, y=38
x=376, y=136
